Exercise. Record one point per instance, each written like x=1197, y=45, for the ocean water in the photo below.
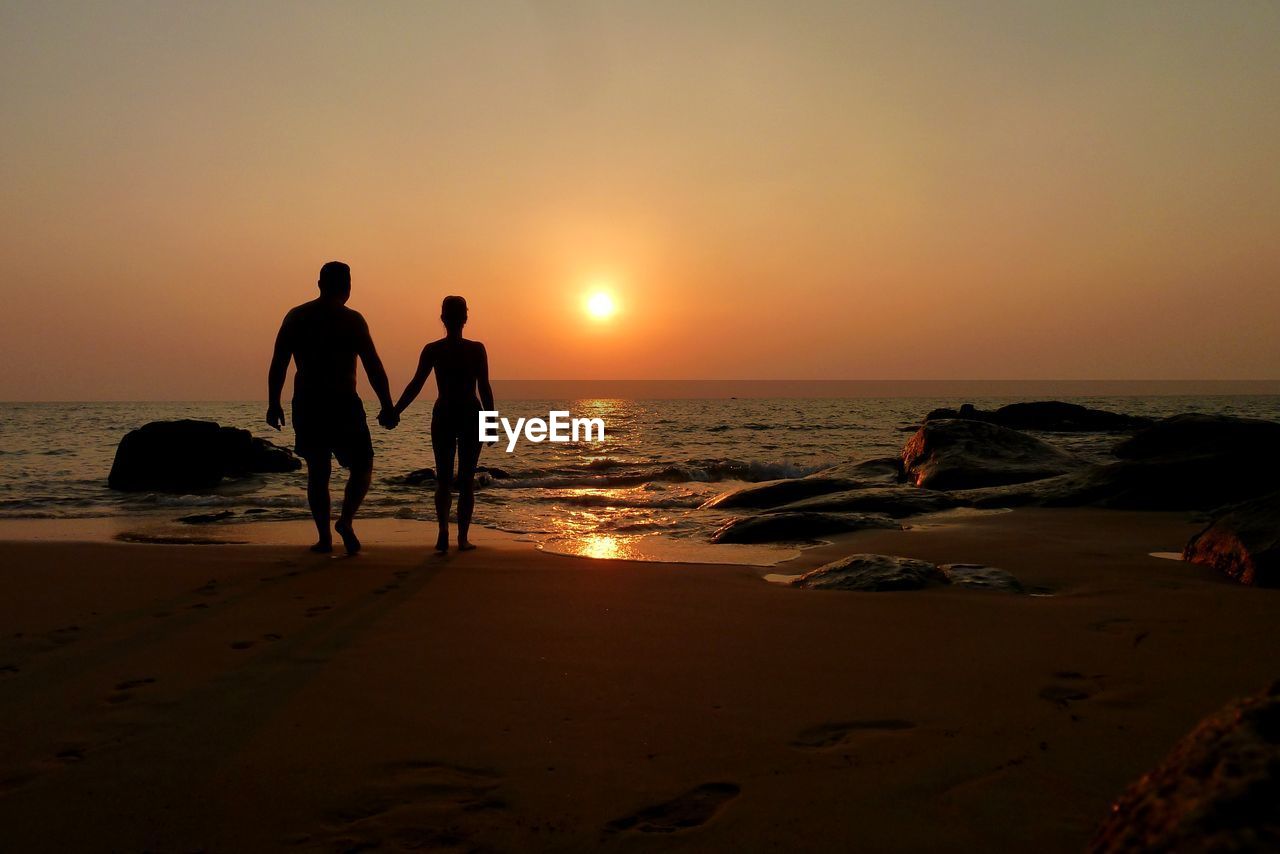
x=660, y=461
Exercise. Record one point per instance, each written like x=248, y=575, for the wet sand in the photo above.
x=253, y=698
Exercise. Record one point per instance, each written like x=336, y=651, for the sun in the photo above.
x=601, y=306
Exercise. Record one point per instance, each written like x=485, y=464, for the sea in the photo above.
x=637, y=494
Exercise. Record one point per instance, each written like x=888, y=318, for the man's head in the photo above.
x=453, y=313
x=335, y=281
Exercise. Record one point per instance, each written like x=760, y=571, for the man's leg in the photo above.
x=318, y=499
x=359, y=475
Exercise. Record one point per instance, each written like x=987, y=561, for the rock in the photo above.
x=417, y=477
x=1050, y=416
x=493, y=472
x=872, y=572
x=980, y=577
x=1187, y=462
x=1192, y=435
x=205, y=518
x=1242, y=543
x=777, y=527
x=962, y=454
x=897, y=501
x=838, y=478
x=880, y=471
x=1217, y=790
x=181, y=456
x=774, y=493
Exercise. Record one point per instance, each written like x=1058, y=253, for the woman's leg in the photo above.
x=443, y=441
x=468, y=456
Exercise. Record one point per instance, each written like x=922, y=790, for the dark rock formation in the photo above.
x=980, y=577
x=897, y=501
x=1187, y=462
x=882, y=471
x=181, y=456
x=417, y=477
x=780, y=527
x=1242, y=543
x=1217, y=790
x=206, y=518
x=1051, y=416
x=960, y=454
x=872, y=572
x=774, y=493
x=1193, y=435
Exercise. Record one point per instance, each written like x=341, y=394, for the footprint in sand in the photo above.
x=8, y=669
x=1069, y=686
x=417, y=804
x=124, y=690
x=241, y=644
x=824, y=736
x=316, y=610
x=75, y=753
x=692, y=809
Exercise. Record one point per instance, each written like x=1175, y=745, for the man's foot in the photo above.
x=465, y=545
x=442, y=543
x=348, y=535
x=323, y=547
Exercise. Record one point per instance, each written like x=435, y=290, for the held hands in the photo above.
x=275, y=415
x=388, y=418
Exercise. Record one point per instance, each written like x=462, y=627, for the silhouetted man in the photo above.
x=324, y=337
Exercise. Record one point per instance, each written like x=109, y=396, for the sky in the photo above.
x=816, y=190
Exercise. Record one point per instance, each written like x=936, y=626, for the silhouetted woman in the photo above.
x=462, y=370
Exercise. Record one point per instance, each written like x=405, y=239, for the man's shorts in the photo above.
x=332, y=426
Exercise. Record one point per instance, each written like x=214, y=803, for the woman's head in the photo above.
x=453, y=313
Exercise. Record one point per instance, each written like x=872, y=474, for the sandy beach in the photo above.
x=254, y=698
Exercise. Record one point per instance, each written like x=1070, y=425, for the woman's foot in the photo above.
x=323, y=547
x=442, y=543
x=349, y=538
x=465, y=545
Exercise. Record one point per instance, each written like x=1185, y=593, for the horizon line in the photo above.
x=973, y=387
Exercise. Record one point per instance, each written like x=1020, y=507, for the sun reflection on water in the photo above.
x=603, y=546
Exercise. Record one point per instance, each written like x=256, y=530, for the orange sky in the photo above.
x=775, y=190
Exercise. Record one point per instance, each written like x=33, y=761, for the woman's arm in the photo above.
x=425, y=363
x=482, y=379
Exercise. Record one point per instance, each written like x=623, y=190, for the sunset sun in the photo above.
x=601, y=306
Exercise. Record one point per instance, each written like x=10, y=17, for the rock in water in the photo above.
x=1243, y=543
x=772, y=493
x=897, y=501
x=961, y=454
x=1196, y=435
x=181, y=456
x=872, y=572
x=1218, y=790
x=1049, y=416
x=859, y=474
x=783, y=527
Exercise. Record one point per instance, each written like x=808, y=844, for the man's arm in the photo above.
x=482, y=379
x=411, y=391
x=373, y=368
x=276, y=374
